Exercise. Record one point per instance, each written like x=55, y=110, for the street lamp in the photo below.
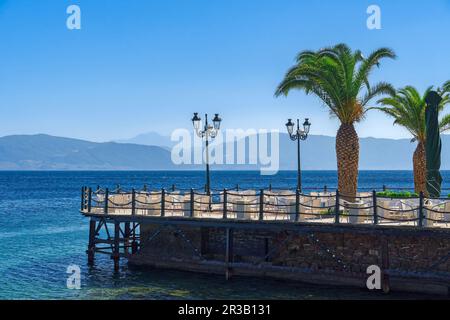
x=298, y=135
x=209, y=131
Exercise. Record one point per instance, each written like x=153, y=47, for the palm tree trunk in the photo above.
x=420, y=169
x=347, y=152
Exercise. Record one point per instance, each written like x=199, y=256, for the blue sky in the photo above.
x=140, y=65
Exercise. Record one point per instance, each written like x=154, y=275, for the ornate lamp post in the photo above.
x=209, y=131
x=299, y=135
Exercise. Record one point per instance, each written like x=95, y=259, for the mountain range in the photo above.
x=45, y=152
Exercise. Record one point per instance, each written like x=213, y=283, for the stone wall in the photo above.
x=325, y=254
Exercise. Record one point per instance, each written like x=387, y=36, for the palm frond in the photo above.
x=444, y=124
x=446, y=87
x=382, y=88
x=408, y=108
x=339, y=77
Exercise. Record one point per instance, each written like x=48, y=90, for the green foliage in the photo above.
x=407, y=107
x=340, y=78
x=397, y=194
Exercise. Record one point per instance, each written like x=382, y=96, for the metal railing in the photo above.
x=271, y=204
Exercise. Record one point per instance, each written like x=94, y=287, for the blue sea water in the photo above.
x=42, y=233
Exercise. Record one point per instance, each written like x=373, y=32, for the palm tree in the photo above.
x=408, y=107
x=339, y=77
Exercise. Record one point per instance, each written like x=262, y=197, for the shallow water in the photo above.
x=42, y=233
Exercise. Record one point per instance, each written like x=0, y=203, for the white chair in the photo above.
x=446, y=212
x=174, y=203
x=186, y=206
x=428, y=215
x=202, y=204
x=148, y=204
x=154, y=203
x=241, y=210
x=285, y=204
x=119, y=204
x=141, y=199
x=356, y=213
x=243, y=204
x=292, y=216
x=317, y=204
x=409, y=208
x=304, y=211
x=381, y=211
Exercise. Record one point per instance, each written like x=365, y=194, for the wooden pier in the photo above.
x=186, y=231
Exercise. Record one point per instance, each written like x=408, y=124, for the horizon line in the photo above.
x=125, y=140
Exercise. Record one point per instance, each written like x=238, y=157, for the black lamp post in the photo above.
x=207, y=132
x=299, y=135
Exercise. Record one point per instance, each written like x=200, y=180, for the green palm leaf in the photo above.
x=444, y=124
x=339, y=77
x=407, y=106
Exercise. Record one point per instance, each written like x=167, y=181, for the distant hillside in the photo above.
x=44, y=152
x=318, y=152
x=150, y=139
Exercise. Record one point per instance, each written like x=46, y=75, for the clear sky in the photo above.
x=141, y=65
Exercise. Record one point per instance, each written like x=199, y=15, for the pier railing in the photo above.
x=269, y=205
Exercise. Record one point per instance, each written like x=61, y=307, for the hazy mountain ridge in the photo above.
x=44, y=152
x=149, y=139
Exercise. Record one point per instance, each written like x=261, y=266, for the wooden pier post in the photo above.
x=163, y=202
x=297, y=205
x=375, y=207
x=91, y=244
x=421, y=211
x=89, y=200
x=225, y=204
x=126, y=240
x=229, y=253
x=116, y=253
x=83, y=198
x=337, y=208
x=133, y=202
x=192, y=204
x=105, y=210
x=261, y=205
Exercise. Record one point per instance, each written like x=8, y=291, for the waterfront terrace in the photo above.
x=321, y=237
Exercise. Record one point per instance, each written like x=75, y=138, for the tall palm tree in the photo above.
x=408, y=107
x=340, y=78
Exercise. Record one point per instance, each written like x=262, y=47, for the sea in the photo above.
x=42, y=234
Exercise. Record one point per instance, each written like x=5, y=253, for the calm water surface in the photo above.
x=42, y=232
